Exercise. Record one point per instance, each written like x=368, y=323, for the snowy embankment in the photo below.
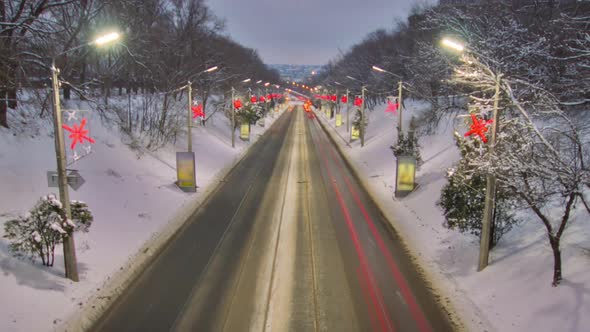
x=514, y=292
x=135, y=203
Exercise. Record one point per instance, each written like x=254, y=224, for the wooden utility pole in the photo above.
x=490, y=200
x=69, y=247
x=399, y=109
x=233, y=119
x=362, y=126
x=190, y=117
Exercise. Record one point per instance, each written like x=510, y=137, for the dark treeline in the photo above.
x=164, y=44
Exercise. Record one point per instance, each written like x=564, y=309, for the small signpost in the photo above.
x=405, y=176
x=185, y=170
x=75, y=180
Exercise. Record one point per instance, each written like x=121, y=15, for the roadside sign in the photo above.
x=245, y=132
x=185, y=169
x=75, y=180
x=338, y=120
x=52, y=179
x=405, y=176
x=354, y=133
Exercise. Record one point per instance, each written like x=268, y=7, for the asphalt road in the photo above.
x=288, y=242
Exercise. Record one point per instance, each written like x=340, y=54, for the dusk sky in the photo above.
x=306, y=31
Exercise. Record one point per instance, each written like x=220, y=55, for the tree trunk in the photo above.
x=12, y=101
x=3, y=109
x=67, y=92
x=556, y=260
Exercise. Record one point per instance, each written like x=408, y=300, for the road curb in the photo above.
x=416, y=260
x=101, y=301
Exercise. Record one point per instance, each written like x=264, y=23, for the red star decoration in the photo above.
x=479, y=127
x=253, y=99
x=391, y=107
x=344, y=99
x=198, y=111
x=238, y=104
x=262, y=99
x=78, y=134
x=334, y=98
x=358, y=102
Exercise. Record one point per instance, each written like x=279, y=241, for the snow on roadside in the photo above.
x=514, y=293
x=132, y=195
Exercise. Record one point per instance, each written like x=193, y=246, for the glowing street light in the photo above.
x=453, y=44
x=214, y=68
x=107, y=38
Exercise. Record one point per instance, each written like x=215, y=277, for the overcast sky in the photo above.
x=306, y=31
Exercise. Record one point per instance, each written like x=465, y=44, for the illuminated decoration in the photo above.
x=238, y=104
x=344, y=99
x=391, y=107
x=479, y=127
x=253, y=99
x=358, y=101
x=198, y=111
x=71, y=115
x=78, y=134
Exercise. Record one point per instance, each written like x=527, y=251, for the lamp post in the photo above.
x=69, y=248
x=362, y=126
x=266, y=102
x=347, y=108
x=190, y=105
x=233, y=114
x=484, y=246
x=399, y=97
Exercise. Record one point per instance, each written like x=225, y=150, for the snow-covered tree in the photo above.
x=39, y=231
x=547, y=180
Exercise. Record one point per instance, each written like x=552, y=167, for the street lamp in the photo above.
x=347, y=108
x=399, y=98
x=190, y=104
x=362, y=126
x=490, y=178
x=454, y=45
x=69, y=248
x=233, y=114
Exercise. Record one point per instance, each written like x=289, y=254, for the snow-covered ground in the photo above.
x=134, y=201
x=514, y=292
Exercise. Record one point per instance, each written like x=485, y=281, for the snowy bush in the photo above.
x=407, y=145
x=38, y=232
x=250, y=113
x=463, y=198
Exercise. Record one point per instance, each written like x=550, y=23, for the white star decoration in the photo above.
x=88, y=149
x=71, y=115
